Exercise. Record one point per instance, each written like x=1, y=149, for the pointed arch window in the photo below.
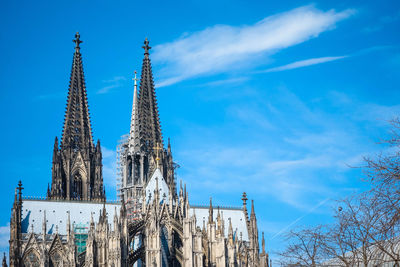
x=129, y=171
x=77, y=186
x=31, y=259
x=56, y=259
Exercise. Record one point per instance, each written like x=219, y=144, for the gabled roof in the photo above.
x=157, y=181
x=57, y=214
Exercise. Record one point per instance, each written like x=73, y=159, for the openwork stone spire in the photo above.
x=77, y=132
x=77, y=165
x=149, y=126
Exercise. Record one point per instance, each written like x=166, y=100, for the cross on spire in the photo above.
x=146, y=46
x=77, y=41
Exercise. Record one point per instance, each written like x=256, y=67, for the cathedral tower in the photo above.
x=144, y=150
x=77, y=168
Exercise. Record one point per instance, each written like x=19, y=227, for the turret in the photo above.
x=263, y=243
x=55, y=150
x=210, y=212
x=92, y=225
x=4, y=263
x=15, y=227
x=169, y=147
x=230, y=232
x=254, y=245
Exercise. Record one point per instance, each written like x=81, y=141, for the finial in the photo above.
x=135, y=80
x=20, y=190
x=244, y=198
x=146, y=46
x=77, y=41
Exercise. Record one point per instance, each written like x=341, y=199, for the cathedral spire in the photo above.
x=77, y=167
x=77, y=131
x=149, y=121
x=134, y=129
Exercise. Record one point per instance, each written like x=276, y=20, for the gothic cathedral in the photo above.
x=152, y=224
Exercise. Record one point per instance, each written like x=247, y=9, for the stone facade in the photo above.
x=153, y=225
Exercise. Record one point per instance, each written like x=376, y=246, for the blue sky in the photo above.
x=275, y=98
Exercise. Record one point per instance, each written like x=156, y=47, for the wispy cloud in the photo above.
x=115, y=82
x=222, y=47
x=382, y=22
x=286, y=155
x=320, y=60
x=303, y=63
x=236, y=80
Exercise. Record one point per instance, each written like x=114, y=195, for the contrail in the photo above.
x=301, y=217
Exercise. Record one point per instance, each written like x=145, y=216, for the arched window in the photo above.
x=56, y=259
x=129, y=171
x=137, y=168
x=77, y=184
x=31, y=259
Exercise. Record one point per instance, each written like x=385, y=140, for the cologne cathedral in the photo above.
x=152, y=224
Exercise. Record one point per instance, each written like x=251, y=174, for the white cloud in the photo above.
x=223, y=47
x=303, y=63
x=319, y=60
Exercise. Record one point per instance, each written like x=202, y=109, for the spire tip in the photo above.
x=77, y=40
x=146, y=46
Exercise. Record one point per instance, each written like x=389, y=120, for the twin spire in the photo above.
x=145, y=131
x=145, y=128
